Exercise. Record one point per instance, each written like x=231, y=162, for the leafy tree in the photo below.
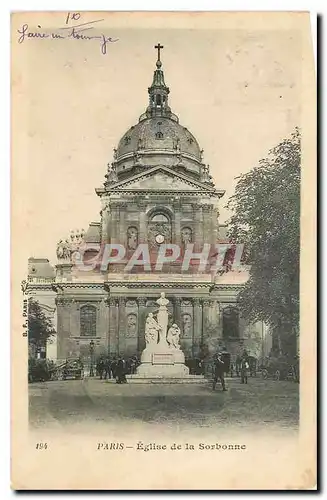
x=266, y=218
x=40, y=327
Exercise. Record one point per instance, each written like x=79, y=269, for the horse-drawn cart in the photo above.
x=279, y=369
x=69, y=369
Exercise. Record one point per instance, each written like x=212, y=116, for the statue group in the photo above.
x=156, y=329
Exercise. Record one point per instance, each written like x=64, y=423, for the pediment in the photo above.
x=161, y=179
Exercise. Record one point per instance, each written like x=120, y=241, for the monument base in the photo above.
x=186, y=379
x=161, y=363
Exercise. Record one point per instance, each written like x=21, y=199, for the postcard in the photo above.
x=163, y=203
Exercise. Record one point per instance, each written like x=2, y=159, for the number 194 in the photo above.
x=41, y=446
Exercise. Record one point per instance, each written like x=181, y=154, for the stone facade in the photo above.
x=157, y=190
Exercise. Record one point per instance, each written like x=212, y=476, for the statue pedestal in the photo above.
x=162, y=360
x=160, y=363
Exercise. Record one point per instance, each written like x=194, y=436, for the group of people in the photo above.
x=222, y=365
x=116, y=368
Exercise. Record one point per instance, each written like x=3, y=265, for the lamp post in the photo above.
x=91, y=354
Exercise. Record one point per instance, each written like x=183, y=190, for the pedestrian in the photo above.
x=100, y=367
x=226, y=357
x=238, y=365
x=244, y=370
x=114, y=367
x=219, y=372
x=107, y=368
x=133, y=365
x=121, y=371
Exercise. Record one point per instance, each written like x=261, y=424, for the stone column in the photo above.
x=122, y=237
x=141, y=324
x=105, y=322
x=105, y=218
x=177, y=312
x=214, y=226
x=207, y=211
x=213, y=338
x=114, y=222
x=219, y=321
x=122, y=325
x=113, y=326
x=198, y=236
x=143, y=222
x=205, y=321
x=177, y=223
x=197, y=327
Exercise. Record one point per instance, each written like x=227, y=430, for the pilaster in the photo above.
x=113, y=326
x=141, y=323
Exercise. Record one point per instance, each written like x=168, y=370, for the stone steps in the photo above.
x=187, y=379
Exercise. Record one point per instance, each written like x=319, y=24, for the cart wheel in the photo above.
x=277, y=375
x=264, y=374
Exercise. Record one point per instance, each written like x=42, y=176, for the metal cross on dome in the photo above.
x=158, y=47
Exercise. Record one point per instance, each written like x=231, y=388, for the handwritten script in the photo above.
x=70, y=31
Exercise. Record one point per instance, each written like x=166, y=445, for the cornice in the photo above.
x=107, y=285
x=117, y=186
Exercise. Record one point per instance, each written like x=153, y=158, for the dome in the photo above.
x=157, y=139
x=158, y=133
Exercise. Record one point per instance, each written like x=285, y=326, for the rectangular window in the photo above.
x=88, y=321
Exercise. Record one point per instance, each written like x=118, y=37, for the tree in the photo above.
x=266, y=218
x=40, y=327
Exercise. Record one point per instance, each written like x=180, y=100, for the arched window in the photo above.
x=159, y=229
x=231, y=323
x=88, y=320
x=159, y=218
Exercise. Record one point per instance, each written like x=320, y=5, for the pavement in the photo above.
x=260, y=403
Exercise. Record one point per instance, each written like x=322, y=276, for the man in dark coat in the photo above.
x=100, y=367
x=219, y=372
x=114, y=367
x=107, y=368
x=121, y=371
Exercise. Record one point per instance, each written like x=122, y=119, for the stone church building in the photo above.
x=157, y=191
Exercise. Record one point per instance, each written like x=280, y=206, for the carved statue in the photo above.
x=179, y=160
x=177, y=145
x=60, y=250
x=173, y=336
x=76, y=238
x=115, y=154
x=187, y=325
x=131, y=325
x=186, y=235
x=201, y=154
x=137, y=158
x=206, y=177
x=162, y=317
x=112, y=174
x=66, y=250
x=132, y=238
x=151, y=330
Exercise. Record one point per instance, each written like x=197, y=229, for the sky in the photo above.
x=235, y=86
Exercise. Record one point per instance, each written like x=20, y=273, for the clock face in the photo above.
x=160, y=239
